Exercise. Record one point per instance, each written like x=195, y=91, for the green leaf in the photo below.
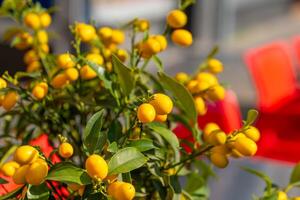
x=158, y=63
x=93, y=138
x=40, y=192
x=3, y=181
x=175, y=184
x=213, y=52
x=115, y=131
x=295, y=175
x=19, y=75
x=261, y=175
x=183, y=96
x=67, y=172
x=126, y=160
x=142, y=144
x=251, y=116
x=125, y=75
x=194, y=182
x=12, y=194
x=113, y=147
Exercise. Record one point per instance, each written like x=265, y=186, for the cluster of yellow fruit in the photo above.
x=177, y=19
x=27, y=166
x=158, y=108
x=97, y=169
x=205, y=85
x=153, y=45
x=40, y=90
x=8, y=100
x=237, y=144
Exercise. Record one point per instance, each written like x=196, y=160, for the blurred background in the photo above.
x=234, y=25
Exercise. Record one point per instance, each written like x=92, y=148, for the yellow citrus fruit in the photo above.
x=126, y=191
x=144, y=50
x=162, y=41
x=34, y=66
x=42, y=36
x=38, y=92
x=182, y=77
x=109, y=66
x=219, y=160
x=113, y=188
x=176, y=19
x=9, y=168
x=142, y=25
x=122, y=54
x=152, y=46
x=207, y=77
x=202, y=86
x=87, y=73
x=214, y=66
x=245, y=146
x=117, y=36
x=162, y=104
x=19, y=175
x=85, y=32
x=216, y=93
x=30, y=56
x=208, y=129
x=65, y=61
x=146, y=113
x=95, y=58
x=26, y=154
x=282, y=195
x=72, y=74
x=161, y=118
x=94, y=50
x=65, y=150
x=10, y=100
x=105, y=33
x=107, y=53
x=3, y=83
x=96, y=166
x=59, y=81
x=252, y=133
x=217, y=137
x=222, y=149
x=171, y=171
x=44, y=48
x=45, y=19
x=36, y=173
x=182, y=37
x=192, y=86
x=32, y=20
x=200, y=106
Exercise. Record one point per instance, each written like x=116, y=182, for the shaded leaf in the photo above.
x=3, y=181
x=142, y=144
x=40, y=192
x=295, y=175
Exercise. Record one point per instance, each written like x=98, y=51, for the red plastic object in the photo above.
x=296, y=48
x=225, y=113
x=272, y=70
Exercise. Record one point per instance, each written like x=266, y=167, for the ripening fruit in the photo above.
x=30, y=56
x=162, y=41
x=182, y=77
x=161, y=118
x=10, y=100
x=142, y=25
x=37, y=172
x=105, y=33
x=245, y=146
x=217, y=138
x=45, y=19
x=19, y=176
x=65, y=61
x=87, y=73
x=117, y=36
x=252, y=133
x=85, y=32
x=65, y=150
x=122, y=54
x=44, y=48
x=9, y=168
x=216, y=93
x=222, y=149
x=208, y=129
x=72, y=74
x=32, y=20
x=121, y=191
x=282, y=195
x=26, y=154
x=3, y=83
x=96, y=166
x=182, y=37
x=200, y=106
x=146, y=113
x=192, y=86
x=39, y=92
x=214, y=66
x=26, y=41
x=59, y=81
x=34, y=66
x=42, y=36
x=176, y=19
x=113, y=188
x=202, y=86
x=151, y=46
x=95, y=58
x=207, y=77
x=162, y=104
x=219, y=160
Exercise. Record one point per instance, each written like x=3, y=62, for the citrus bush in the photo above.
x=107, y=120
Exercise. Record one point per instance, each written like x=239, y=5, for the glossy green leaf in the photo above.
x=142, y=144
x=113, y=147
x=3, y=181
x=125, y=75
x=126, y=160
x=181, y=94
x=40, y=192
x=68, y=173
x=251, y=116
x=158, y=63
x=295, y=175
x=93, y=138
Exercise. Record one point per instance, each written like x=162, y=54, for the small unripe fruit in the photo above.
x=222, y=149
x=65, y=61
x=182, y=37
x=38, y=92
x=245, y=146
x=9, y=168
x=96, y=167
x=146, y=113
x=282, y=196
x=142, y=25
x=65, y=150
x=95, y=58
x=122, y=54
x=45, y=20
x=30, y=56
x=34, y=66
x=26, y=155
x=162, y=104
x=200, y=106
x=252, y=133
x=214, y=66
x=176, y=19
